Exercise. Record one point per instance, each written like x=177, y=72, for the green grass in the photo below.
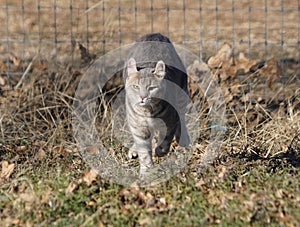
x=238, y=192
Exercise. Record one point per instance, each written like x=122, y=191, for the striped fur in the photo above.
x=149, y=115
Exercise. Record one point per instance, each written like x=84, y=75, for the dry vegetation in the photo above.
x=43, y=178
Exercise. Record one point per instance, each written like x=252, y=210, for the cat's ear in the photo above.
x=131, y=66
x=160, y=69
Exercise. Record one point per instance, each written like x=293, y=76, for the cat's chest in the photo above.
x=147, y=120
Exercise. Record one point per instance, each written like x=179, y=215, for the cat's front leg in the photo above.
x=142, y=148
x=132, y=153
x=146, y=162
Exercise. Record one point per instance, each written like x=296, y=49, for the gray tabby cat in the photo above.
x=156, y=98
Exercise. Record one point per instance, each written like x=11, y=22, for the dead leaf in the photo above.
x=279, y=194
x=145, y=221
x=270, y=71
x=228, y=96
x=197, y=72
x=222, y=173
x=225, y=66
x=244, y=63
x=16, y=61
x=40, y=65
x=21, y=149
x=45, y=197
x=86, y=57
x=7, y=169
x=200, y=183
x=29, y=198
x=100, y=224
x=92, y=149
x=90, y=203
x=150, y=200
x=40, y=155
x=9, y=221
x=22, y=188
x=222, y=64
x=71, y=188
x=39, y=143
x=162, y=201
x=90, y=177
x=223, y=56
x=2, y=81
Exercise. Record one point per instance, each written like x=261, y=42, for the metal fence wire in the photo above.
x=259, y=28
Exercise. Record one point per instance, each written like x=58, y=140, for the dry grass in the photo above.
x=255, y=180
x=38, y=108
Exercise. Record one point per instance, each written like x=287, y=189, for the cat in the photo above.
x=156, y=96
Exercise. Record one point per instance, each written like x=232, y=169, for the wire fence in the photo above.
x=50, y=29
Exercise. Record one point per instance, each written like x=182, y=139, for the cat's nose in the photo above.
x=143, y=98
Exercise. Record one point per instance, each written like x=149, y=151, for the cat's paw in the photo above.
x=161, y=151
x=145, y=172
x=132, y=154
x=184, y=141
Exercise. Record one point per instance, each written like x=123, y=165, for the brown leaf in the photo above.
x=270, y=71
x=100, y=224
x=221, y=57
x=21, y=149
x=279, y=194
x=7, y=169
x=45, y=197
x=162, y=202
x=92, y=149
x=86, y=57
x=200, y=183
x=228, y=96
x=16, y=61
x=9, y=221
x=222, y=173
x=29, y=198
x=71, y=188
x=145, y=221
x=90, y=176
x=150, y=200
x=2, y=81
x=40, y=65
x=196, y=72
x=39, y=143
x=244, y=63
x=40, y=155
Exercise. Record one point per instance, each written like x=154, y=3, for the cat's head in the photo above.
x=145, y=87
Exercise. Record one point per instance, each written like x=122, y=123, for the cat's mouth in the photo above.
x=148, y=102
x=144, y=103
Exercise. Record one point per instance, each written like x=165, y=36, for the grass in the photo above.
x=239, y=191
x=255, y=181
x=45, y=181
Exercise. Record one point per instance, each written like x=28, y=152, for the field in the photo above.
x=254, y=181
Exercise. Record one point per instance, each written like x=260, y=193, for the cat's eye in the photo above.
x=152, y=88
x=136, y=87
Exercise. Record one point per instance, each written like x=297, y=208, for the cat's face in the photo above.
x=144, y=88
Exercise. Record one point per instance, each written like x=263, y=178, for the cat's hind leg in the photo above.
x=163, y=146
x=181, y=134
